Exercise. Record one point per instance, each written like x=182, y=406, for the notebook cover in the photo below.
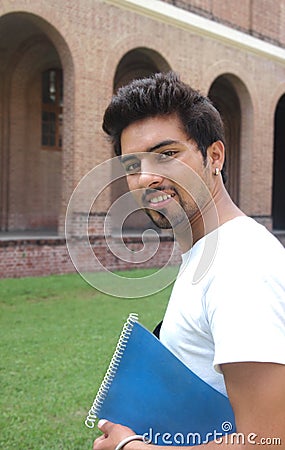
x=155, y=394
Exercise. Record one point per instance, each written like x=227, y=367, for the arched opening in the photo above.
x=32, y=117
x=278, y=193
x=137, y=63
x=225, y=98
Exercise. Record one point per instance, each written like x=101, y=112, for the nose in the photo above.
x=149, y=180
x=147, y=177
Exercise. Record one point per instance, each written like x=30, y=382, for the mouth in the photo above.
x=159, y=200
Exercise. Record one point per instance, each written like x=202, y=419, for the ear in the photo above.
x=216, y=155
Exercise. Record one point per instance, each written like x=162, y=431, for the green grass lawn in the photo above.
x=57, y=337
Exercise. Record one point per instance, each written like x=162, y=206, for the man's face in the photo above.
x=165, y=170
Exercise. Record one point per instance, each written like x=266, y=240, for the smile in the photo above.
x=160, y=198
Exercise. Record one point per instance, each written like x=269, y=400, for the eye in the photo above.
x=167, y=154
x=132, y=167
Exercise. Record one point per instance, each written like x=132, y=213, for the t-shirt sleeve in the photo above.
x=246, y=313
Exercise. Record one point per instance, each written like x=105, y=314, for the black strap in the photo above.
x=156, y=331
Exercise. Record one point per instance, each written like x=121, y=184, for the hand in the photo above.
x=113, y=434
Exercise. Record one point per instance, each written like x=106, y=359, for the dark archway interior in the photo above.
x=30, y=181
x=225, y=99
x=278, y=194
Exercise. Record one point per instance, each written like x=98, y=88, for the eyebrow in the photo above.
x=161, y=144
x=127, y=158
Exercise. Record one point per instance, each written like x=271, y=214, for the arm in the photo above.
x=257, y=394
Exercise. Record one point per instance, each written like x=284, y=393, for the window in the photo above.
x=52, y=103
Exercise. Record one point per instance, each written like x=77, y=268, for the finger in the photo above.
x=100, y=438
x=97, y=442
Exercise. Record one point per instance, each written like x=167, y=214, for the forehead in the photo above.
x=145, y=134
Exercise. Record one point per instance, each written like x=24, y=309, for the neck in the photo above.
x=218, y=211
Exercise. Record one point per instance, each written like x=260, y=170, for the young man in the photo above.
x=228, y=324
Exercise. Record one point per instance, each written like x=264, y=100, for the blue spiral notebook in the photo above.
x=150, y=390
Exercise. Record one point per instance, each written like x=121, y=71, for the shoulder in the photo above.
x=248, y=272
x=245, y=239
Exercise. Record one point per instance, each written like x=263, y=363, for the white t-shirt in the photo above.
x=228, y=302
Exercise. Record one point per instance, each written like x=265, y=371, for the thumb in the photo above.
x=104, y=425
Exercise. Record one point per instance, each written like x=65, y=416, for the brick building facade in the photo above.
x=60, y=62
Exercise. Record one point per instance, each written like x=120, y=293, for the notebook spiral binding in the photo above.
x=111, y=371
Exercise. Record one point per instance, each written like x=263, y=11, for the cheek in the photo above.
x=133, y=186
x=131, y=182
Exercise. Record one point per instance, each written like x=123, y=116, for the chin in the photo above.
x=162, y=222
x=158, y=219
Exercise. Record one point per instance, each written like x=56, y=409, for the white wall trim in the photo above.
x=164, y=12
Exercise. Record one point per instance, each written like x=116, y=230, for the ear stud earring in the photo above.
x=217, y=171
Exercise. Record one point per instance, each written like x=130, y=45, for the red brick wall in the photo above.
x=22, y=258
x=261, y=18
x=267, y=21
x=37, y=257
